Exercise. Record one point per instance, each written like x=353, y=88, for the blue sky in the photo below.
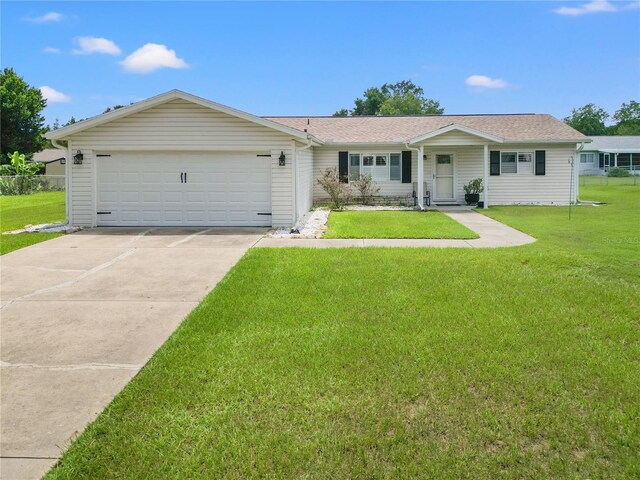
x=313, y=58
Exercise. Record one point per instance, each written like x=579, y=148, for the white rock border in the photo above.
x=45, y=228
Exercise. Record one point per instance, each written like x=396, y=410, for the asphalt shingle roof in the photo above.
x=380, y=129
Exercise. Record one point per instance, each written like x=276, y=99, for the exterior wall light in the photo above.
x=77, y=158
x=281, y=159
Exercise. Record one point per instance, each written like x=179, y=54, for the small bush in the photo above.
x=474, y=187
x=619, y=172
x=367, y=188
x=339, y=192
x=24, y=185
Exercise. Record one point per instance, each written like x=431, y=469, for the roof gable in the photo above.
x=454, y=127
x=172, y=95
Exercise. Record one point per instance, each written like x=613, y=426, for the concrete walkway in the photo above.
x=493, y=234
x=81, y=314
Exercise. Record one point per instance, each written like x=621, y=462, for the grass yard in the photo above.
x=394, y=224
x=399, y=363
x=17, y=211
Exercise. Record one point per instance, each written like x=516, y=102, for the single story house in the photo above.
x=53, y=159
x=177, y=160
x=606, y=152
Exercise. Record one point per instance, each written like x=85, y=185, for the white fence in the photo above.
x=27, y=184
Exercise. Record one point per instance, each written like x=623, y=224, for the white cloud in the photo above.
x=483, y=81
x=53, y=50
x=632, y=5
x=595, y=6
x=54, y=96
x=47, y=18
x=151, y=57
x=89, y=45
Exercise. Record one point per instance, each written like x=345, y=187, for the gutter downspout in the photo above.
x=67, y=169
x=419, y=184
x=297, y=177
x=577, y=172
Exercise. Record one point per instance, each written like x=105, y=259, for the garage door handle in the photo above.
x=181, y=177
x=185, y=177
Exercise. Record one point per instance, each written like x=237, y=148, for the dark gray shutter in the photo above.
x=540, y=162
x=494, y=162
x=406, y=166
x=343, y=166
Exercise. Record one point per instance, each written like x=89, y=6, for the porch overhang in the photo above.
x=454, y=127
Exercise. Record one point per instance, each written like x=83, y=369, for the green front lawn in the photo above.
x=399, y=363
x=394, y=224
x=17, y=211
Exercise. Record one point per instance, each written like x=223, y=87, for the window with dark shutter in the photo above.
x=343, y=166
x=494, y=162
x=540, y=162
x=406, y=166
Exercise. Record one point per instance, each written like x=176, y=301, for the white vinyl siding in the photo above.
x=282, y=189
x=183, y=126
x=81, y=195
x=327, y=157
x=552, y=188
x=179, y=124
x=305, y=181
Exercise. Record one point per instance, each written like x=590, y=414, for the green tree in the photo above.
x=115, y=107
x=402, y=98
x=22, y=124
x=588, y=120
x=627, y=119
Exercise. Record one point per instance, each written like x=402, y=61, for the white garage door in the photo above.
x=190, y=189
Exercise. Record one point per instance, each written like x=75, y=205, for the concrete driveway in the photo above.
x=81, y=314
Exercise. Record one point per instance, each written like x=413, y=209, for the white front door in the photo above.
x=444, y=177
x=190, y=189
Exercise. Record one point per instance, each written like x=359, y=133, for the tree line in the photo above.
x=591, y=119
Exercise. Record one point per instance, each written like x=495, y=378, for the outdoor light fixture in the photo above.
x=63, y=161
x=281, y=159
x=77, y=158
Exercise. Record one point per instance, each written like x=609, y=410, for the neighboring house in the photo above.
x=176, y=159
x=605, y=152
x=53, y=160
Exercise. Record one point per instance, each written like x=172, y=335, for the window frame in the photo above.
x=591, y=155
x=371, y=169
x=517, y=154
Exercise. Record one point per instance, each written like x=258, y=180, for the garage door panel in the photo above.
x=221, y=189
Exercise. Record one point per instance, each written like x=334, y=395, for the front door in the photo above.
x=607, y=162
x=444, y=178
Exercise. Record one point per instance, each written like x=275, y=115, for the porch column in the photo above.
x=421, y=177
x=485, y=175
